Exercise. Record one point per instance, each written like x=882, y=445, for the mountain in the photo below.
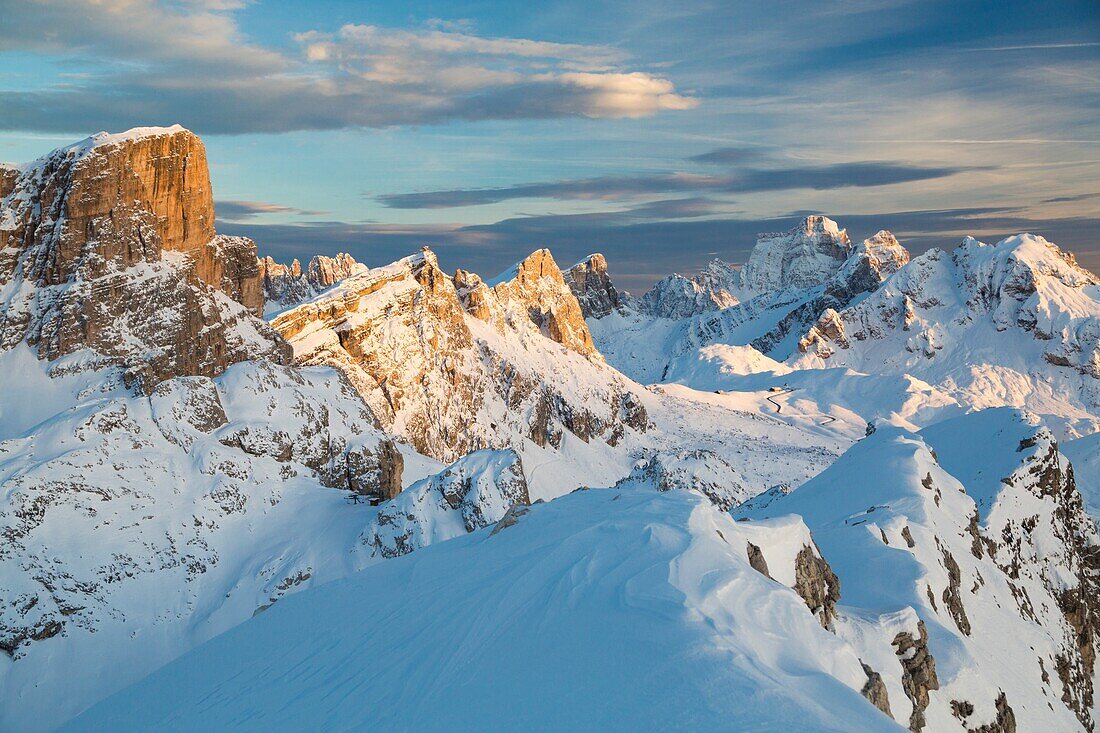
x=1013, y=323
x=109, y=246
x=789, y=281
x=590, y=283
x=805, y=256
x=676, y=296
x=945, y=549
x=388, y=503
x=457, y=364
x=907, y=581
x=165, y=475
x=286, y=286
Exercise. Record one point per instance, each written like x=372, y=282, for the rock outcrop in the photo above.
x=286, y=286
x=109, y=245
x=918, y=676
x=817, y=584
x=537, y=288
x=697, y=469
x=592, y=286
x=474, y=492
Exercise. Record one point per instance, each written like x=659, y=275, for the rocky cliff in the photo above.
x=455, y=364
x=591, y=284
x=803, y=257
x=285, y=286
x=109, y=245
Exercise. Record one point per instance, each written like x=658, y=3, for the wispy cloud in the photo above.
x=248, y=210
x=1031, y=47
x=190, y=63
x=818, y=177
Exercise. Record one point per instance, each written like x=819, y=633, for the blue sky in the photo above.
x=662, y=134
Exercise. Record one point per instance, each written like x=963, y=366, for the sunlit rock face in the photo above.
x=109, y=244
x=457, y=364
x=285, y=286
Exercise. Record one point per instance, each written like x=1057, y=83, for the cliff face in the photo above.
x=285, y=286
x=453, y=365
x=590, y=283
x=537, y=288
x=109, y=244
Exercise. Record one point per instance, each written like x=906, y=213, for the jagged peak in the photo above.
x=884, y=252
x=538, y=264
x=814, y=225
x=595, y=261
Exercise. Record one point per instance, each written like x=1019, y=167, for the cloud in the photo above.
x=247, y=210
x=817, y=177
x=190, y=63
x=1071, y=199
x=727, y=156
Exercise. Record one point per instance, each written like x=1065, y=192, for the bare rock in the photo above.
x=538, y=286
x=817, y=584
x=875, y=690
x=918, y=672
x=757, y=561
x=590, y=283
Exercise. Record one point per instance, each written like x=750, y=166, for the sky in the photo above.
x=661, y=134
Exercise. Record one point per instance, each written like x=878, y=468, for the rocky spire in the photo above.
x=590, y=283
x=538, y=286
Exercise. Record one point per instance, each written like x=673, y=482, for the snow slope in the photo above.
x=989, y=552
x=137, y=527
x=605, y=609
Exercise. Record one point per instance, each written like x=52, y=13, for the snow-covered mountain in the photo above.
x=983, y=326
x=806, y=256
x=676, y=296
x=908, y=581
x=381, y=508
x=815, y=269
x=1014, y=323
x=160, y=488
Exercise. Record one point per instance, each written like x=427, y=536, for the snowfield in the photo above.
x=605, y=609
